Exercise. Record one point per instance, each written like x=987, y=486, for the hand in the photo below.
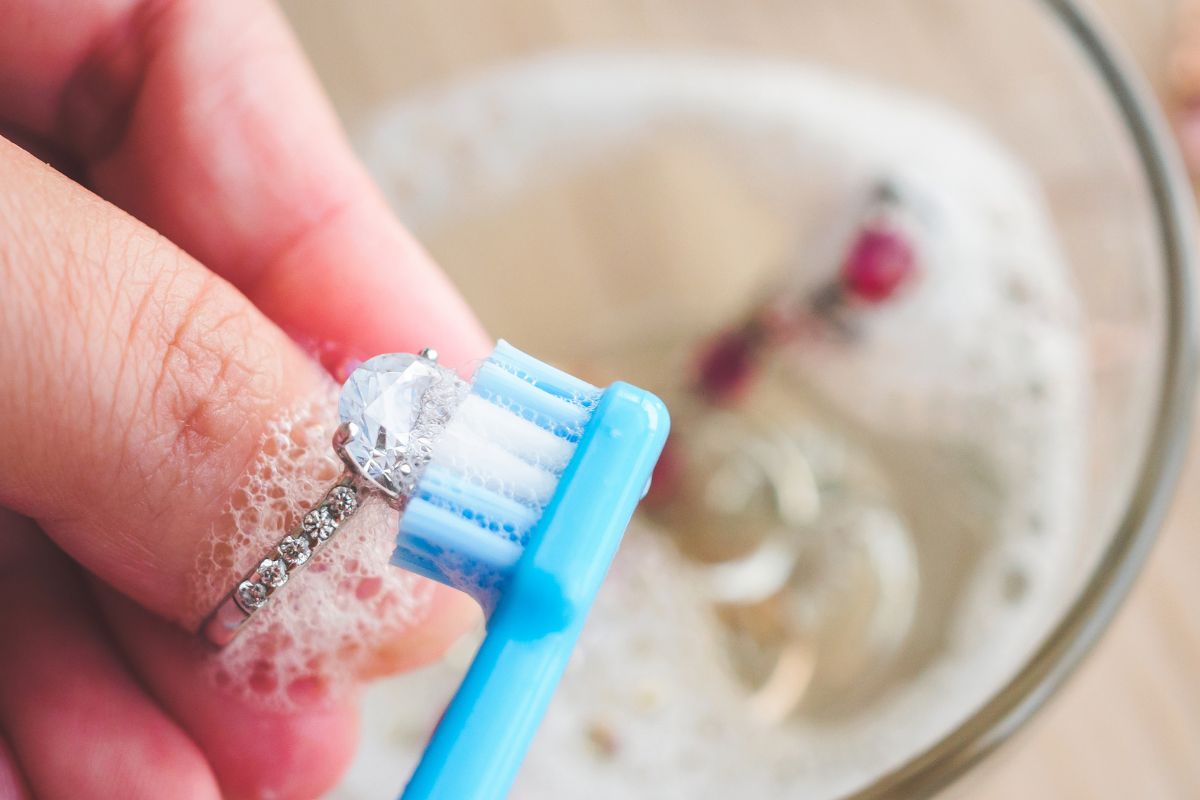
x=140, y=368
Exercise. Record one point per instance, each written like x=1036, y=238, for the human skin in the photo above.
x=200, y=201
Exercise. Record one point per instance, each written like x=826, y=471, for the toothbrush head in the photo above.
x=492, y=471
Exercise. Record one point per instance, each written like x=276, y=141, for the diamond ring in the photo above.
x=391, y=409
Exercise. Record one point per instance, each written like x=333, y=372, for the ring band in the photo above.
x=385, y=457
x=287, y=557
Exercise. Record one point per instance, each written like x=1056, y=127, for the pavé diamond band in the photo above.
x=391, y=409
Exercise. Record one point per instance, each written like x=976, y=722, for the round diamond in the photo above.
x=319, y=523
x=295, y=550
x=342, y=502
x=251, y=594
x=395, y=402
x=273, y=572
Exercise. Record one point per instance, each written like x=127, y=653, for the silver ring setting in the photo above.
x=392, y=408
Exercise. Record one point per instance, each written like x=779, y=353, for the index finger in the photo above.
x=204, y=120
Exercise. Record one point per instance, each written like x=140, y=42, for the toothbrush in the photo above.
x=524, y=500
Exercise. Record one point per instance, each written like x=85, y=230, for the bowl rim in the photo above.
x=1088, y=616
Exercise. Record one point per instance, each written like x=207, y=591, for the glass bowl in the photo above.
x=915, y=281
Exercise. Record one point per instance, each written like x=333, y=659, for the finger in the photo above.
x=12, y=782
x=138, y=394
x=137, y=384
x=204, y=120
x=81, y=725
x=255, y=752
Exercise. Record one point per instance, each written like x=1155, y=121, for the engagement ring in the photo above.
x=391, y=410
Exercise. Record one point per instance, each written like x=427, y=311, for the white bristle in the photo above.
x=465, y=450
x=483, y=421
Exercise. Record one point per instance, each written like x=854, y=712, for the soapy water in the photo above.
x=956, y=415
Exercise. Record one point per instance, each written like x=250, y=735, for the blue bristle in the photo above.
x=553, y=412
x=453, y=543
x=476, y=504
x=547, y=378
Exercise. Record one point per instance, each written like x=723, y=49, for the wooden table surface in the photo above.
x=1128, y=724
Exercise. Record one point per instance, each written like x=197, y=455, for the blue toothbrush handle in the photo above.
x=481, y=740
